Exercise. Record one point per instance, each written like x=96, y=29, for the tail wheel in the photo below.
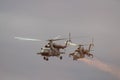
x=60, y=57
x=90, y=55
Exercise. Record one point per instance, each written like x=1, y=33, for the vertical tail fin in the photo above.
x=91, y=44
x=69, y=39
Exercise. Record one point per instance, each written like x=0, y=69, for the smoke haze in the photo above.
x=102, y=66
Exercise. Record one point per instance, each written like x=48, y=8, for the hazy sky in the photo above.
x=45, y=19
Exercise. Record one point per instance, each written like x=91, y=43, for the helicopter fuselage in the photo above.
x=48, y=52
x=77, y=55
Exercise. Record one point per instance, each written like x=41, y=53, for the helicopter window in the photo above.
x=45, y=50
x=42, y=50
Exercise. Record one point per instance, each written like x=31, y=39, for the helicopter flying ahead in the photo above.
x=51, y=49
x=81, y=52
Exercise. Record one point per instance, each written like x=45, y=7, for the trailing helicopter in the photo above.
x=51, y=49
x=81, y=52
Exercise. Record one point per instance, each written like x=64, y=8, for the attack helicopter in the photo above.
x=81, y=52
x=51, y=49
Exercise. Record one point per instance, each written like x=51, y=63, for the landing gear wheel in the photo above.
x=44, y=58
x=47, y=59
x=60, y=57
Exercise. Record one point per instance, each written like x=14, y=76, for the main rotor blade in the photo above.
x=92, y=41
x=57, y=37
x=27, y=39
x=72, y=44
